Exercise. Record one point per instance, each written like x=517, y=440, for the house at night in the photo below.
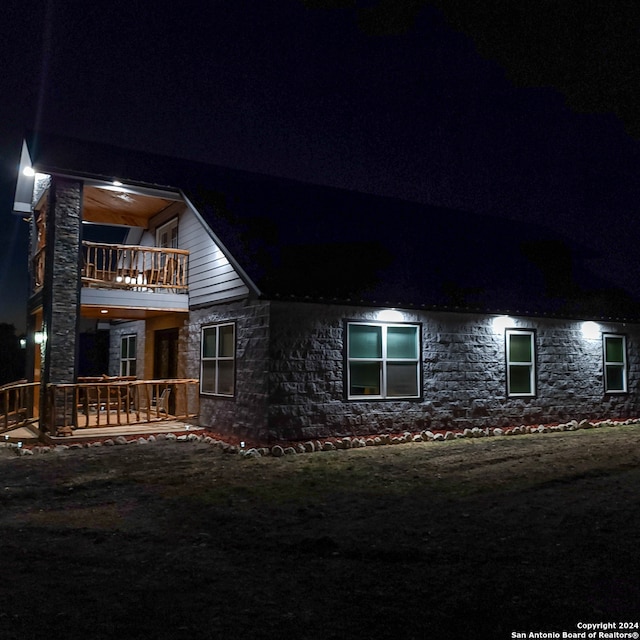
x=278, y=310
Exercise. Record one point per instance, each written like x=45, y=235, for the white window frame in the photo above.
x=618, y=365
x=217, y=359
x=531, y=364
x=384, y=360
x=166, y=228
x=125, y=363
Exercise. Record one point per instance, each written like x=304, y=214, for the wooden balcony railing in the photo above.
x=117, y=266
x=38, y=268
x=134, y=267
x=120, y=402
x=17, y=404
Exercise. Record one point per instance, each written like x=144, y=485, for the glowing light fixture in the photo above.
x=117, y=183
x=104, y=311
x=39, y=337
x=590, y=330
x=390, y=315
x=29, y=172
x=500, y=323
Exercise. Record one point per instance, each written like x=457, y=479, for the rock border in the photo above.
x=323, y=444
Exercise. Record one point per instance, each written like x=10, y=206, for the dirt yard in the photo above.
x=474, y=538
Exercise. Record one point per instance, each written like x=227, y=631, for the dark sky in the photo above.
x=527, y=110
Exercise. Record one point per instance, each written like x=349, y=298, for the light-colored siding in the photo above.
x=134, y=299
x=211, y=277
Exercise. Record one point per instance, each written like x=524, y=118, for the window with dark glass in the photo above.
x=128, y=355
x=615, y=363
x=521, y=379
x=383, y=360
x=217, y=376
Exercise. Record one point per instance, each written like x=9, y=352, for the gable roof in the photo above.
x=310, y=242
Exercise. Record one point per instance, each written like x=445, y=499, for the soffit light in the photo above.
x=500, y=323
x=590, y=330
x=390, y=315
x=30, y=172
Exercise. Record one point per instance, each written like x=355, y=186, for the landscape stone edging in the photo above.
x=329, y=444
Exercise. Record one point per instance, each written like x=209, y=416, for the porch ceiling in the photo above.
x=123, y=313
x=114, y=206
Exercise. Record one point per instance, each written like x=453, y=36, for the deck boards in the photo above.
x=30, y=434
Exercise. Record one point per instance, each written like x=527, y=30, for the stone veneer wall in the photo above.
x=463, y=375
x=246, y=414
x=60, y=299
x=116, y=334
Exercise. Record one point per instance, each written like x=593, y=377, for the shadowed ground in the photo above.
x=470, y=538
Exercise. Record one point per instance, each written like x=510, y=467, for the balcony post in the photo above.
x=61, y=291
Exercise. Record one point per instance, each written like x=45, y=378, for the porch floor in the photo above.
x=30, y=434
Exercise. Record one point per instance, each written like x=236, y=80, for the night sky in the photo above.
x=526, y=110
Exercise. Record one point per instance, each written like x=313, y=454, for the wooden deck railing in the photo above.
x=134, y=267
x=17, y=404
x=88, y=405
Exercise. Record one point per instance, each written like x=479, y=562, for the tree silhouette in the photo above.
x=12, y=357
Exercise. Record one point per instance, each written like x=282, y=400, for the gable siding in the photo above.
x=211, y=276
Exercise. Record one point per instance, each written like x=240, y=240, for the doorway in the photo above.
x=165, y=359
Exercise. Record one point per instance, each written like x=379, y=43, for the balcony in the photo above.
x=116, y=266
x=127, y=267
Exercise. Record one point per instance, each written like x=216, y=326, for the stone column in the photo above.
x=61, y=290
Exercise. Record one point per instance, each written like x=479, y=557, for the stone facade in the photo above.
x=62, y=282
x=60, y=293
x=247, y=412
x=117, y=332
x=290, y=374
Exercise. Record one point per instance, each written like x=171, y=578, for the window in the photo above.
x=383, y=360
x=217, y=376
x=615, y=363
x=167, y=235
x=128, y=356
x=520, y=347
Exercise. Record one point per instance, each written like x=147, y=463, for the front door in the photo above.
x=165, y=359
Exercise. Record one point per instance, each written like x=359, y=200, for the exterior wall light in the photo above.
x=30, y=172
x=39, y=337
x=500, y=323
x=390, y=315
x=590, y=330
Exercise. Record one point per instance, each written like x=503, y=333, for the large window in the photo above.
x=383, y=360
x=615, y=363
x=128, y=356
x=217, y=376
x=521, y=374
